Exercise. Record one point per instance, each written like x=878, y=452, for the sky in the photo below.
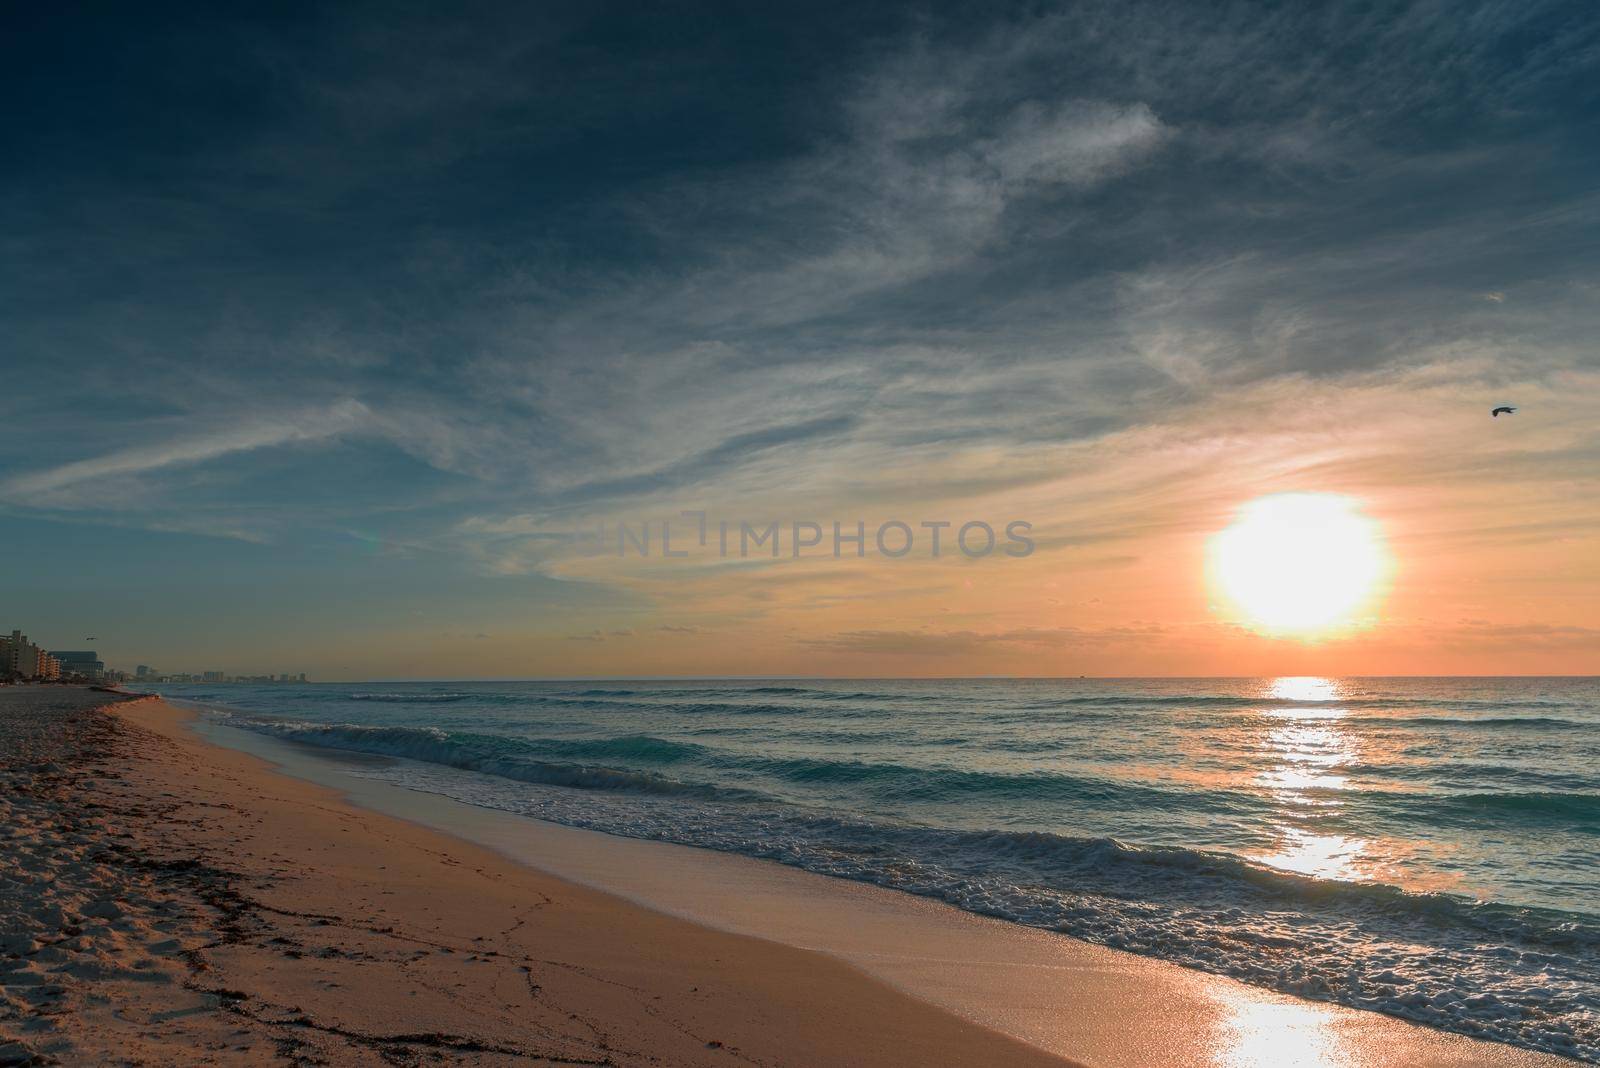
x=328, y=330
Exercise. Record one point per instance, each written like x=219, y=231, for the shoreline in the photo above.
x=803, y=954
x=190, y=905
x=1081, y=1001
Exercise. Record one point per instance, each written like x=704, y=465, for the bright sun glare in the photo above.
x=1299, y=564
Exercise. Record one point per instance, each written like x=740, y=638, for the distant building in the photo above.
x=18, y=656
x=83, y=662
x=143, y=671
x=215, y=676
x=11, y=652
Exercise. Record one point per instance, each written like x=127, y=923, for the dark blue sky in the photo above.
x=280, y=286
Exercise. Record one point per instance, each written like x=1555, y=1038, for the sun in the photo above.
x=1300, y=565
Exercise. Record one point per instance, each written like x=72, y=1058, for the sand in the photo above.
x=168, y=901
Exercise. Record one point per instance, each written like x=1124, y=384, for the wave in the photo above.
x=1576, y=806
x=663, y=697
x=493, y=755
x=703, y=691
x=1533, y=723
x=1256, y=702
x=903, y=782
x=587, y=763
x=1368, y=713
x=646, y=747
x=1413, y=812
x=531, y=760
x=600, y=700
x=825, y=695
x=1472, y=776
x=1178, y=872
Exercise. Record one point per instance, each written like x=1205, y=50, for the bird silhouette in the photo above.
x=1504, y=409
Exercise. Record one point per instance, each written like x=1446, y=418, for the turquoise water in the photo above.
x=1425, y=847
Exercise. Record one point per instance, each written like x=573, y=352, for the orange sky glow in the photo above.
x=1491, y=525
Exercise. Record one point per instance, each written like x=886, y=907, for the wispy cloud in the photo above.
x=53, y=486
x=969, y=642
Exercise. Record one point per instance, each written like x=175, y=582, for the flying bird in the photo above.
x=1504, y=409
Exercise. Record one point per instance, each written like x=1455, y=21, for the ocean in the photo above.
x=1429, y=848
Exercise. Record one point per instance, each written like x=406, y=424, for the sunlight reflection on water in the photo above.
x=1304, y=688
x=1308, y=748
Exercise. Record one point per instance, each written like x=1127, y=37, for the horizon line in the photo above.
x=892, y=678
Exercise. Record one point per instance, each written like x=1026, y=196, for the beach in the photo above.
x=801, y=536
x=172, y=901
x=1420, y=848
